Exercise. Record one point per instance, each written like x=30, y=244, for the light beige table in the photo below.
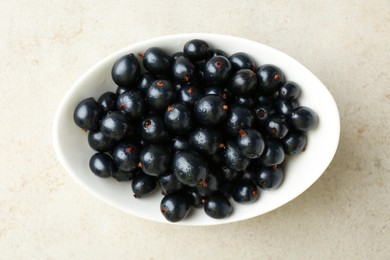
x=47, y=45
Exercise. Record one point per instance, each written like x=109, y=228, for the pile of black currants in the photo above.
x=204, y=126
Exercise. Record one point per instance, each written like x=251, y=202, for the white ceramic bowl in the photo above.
x=71, y=145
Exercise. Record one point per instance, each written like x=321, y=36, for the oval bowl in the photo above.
x=73, y=152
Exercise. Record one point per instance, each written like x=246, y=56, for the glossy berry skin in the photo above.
x=241, y=60
x=210, y=110
x=273, y=153
x=269, y=177
x=189, y=167
x=239, y=117
x=157, y=62
x=122, y=176
x=143, y=184
x=144, y=82
x=189, y=94
x=169, y=183
x=208, y=185
x=290, y=91
x=285, y=107
x=263, y=113
x=205, y=140
x=196, y=200
x=153, y=130
x=233, y=158
x=277, y=127
x=120, y=90
x=107, y=101
x=243, y=82
x=217, y=70
x=183, y=71
x=87, y=114
x=160, y=94
x=125, y=71
x=101, y=165
x=114, y=126
x=250, y=143
x=270, y=78
x=175, y=206
x=180, y=143
x=245, y=192
x=126, y=156
x=217, y=206
x=246, y=101
x=178, y=118
x=99, y=142
x=132, y=104
x=294, y=142
x=303, y=119
x=215, y=90
x=155, y=159
x=196, y=49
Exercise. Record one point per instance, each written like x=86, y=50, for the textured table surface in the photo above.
x=46, y=46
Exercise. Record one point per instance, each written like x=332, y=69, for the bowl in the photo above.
x=73, y=152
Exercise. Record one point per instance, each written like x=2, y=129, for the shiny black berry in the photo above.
x=125, y=71
x=183, y=71
x=245, y=192
x=160, y=94
x=285, y=107
x=210, y=110
x=144, y=82
x=102, y=165
x=107, y=101
x=178, y=118
x=126, y=156
x=290, y=90
x=143, y=184
x=270, y=78
x=115, y=126
x=239, y=117
x=189, y=94
x=88, y=114
x=100, y=142
x=208, y=185
x=175, y=206
x=243, y=82
x=153, y=130
x=217, y=206
x=263, y=113
x=155, y=159
x=217, y=70
x=189, y=167
x=205, y=140
x=294, y=142
x=250, y=143
x=241, y=60
x=132, y=104
x=269, y=177
x=273, y=153
x=196, y=49
x=233, y=158
x=277, y=127
x=303, y=119
x=157, y=62
x=169, y=183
